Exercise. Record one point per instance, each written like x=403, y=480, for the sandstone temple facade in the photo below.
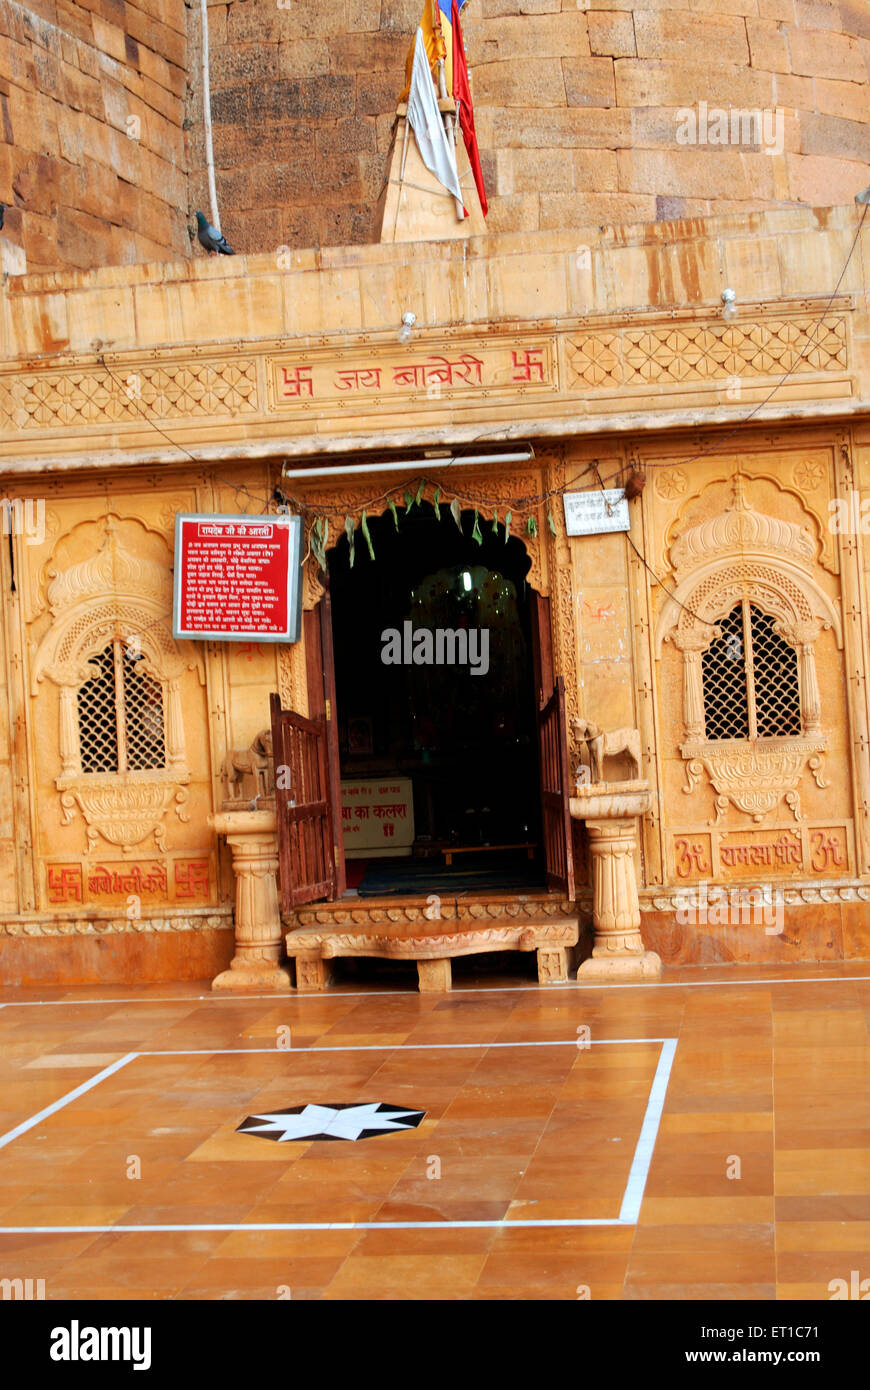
x=579, y=343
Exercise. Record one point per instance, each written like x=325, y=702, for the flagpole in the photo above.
x=448, y=126
x=401, y=174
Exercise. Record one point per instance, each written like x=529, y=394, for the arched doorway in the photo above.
x=436, y=712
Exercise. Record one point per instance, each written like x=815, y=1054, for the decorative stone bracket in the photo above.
x=123, y=808
x=756, y=778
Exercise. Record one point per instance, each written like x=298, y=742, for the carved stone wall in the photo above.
x=752, y=528
x=134, y=841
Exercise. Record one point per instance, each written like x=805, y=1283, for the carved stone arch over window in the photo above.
x=763, y=608
x=111, y=653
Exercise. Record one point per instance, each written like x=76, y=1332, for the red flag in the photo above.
x=462, y=96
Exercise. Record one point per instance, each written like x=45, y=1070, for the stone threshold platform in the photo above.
x=409, y=929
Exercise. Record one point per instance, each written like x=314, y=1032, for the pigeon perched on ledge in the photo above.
x=211, y=239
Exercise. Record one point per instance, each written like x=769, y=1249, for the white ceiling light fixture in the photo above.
x=408, y=465
x=729, y=304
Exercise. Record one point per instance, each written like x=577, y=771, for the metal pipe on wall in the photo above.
x=206, y=109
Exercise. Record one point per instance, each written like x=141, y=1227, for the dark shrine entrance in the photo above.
x=433, y=757
x=436, y=707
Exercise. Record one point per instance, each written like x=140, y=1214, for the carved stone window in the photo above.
x=751, y=687
x=746, y=612
x=110, y=651
x=120, y=713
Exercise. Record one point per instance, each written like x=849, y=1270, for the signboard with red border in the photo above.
x=237, y=578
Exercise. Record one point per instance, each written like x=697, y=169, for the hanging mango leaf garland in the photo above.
x=364, y=527
x=507, y=526
x=550, y=522
x=531, y=527
x=475, y=530
x=409, y=502
x=419, y=496
x=456, y=512
x=348, y=527
x=317, y=540
x=435, y=504
x=392, y=506
x=495, y=522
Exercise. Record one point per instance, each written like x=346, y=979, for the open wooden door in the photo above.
x=320, y=664
x=308, y=794
x=556, y=825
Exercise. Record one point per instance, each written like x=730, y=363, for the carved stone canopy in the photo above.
x=112, y=594
x=741, y=528
x=739, y=554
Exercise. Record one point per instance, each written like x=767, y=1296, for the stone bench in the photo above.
x=433, y=946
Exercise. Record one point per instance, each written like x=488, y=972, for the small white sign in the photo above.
x=377, y=817
x=589, y=513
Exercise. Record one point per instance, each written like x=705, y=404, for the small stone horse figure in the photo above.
x=248, y=773
x=600, y=745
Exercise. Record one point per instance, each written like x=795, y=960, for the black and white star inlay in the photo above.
x=348, y=1121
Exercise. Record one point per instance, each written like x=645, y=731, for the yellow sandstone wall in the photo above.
x=92, y=158
x=215, y=354
x=576, y=106
x=101, y=139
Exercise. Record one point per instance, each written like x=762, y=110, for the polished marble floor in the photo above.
x=705, y=1137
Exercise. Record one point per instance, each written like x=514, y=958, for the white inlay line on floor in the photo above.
x=459, y=991
x=65, y=1100
x=631, y=1200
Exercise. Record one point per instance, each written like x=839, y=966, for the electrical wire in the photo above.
x=533, y=499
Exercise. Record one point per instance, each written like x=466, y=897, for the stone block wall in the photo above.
x=578, y=101
x=577, y=106
x=92, y=146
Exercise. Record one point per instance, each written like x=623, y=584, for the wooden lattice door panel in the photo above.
x=306, y=853
x=557, y=827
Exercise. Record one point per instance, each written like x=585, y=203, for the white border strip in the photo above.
x=402, y=1047
x=631, y=1200
x=65, y=1100
x=457, y=992
x=629, y=1212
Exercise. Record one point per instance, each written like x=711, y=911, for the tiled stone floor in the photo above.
x=758, y=1185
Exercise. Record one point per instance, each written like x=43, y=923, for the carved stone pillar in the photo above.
x=693, y=645
x=174, y=730
x=811, y=703
x=69, y=732
x=618, y=953
x=252, y=838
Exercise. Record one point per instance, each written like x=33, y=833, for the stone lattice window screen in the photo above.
x=750, y=679
x=120, y=714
